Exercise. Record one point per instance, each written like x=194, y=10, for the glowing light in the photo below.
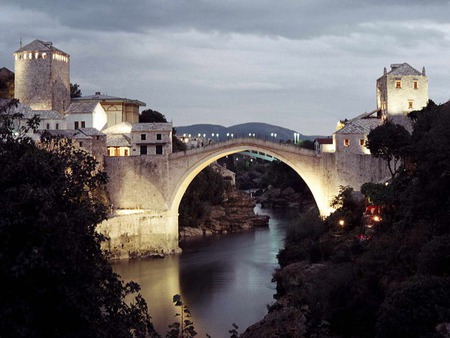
x=376, y=218
x=341, y=222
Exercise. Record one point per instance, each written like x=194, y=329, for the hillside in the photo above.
x=261, y=130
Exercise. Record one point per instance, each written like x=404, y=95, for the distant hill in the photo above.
x=261, y=130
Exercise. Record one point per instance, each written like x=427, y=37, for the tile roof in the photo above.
x=45, y=114
x=81, y=108
x=360, y=126
x=27, y=112
x=116, y=140
x=152, y=126
x=68, y=133
x=38, y=45
x=403, y=69
x=91, y=132
x=105, y=98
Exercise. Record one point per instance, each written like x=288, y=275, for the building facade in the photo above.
x=117, y=109
x=402, y=90
x=86, y=115
x=42, y=76
x=151, y=139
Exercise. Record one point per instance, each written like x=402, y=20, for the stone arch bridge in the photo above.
x=146, y=191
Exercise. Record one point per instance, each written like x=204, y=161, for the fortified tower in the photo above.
x=402, y=90
x=42, y=76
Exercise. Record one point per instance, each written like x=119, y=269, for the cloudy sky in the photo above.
x=301, y=64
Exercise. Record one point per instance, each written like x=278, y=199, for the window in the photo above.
x=398, y=84
x=143, y=137
x=116, y=151
x=143, y=150
x=416, y=84
x=83, y=124
x=76, y=125
x=125, y=152
x=57, y=126
x=346, y=142
x=159, y=150
x=362, y=142
x=158, y=136
x=81, y=144
x=410, y=104
x=48, y=126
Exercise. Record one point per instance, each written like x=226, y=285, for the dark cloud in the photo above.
x=305, y=63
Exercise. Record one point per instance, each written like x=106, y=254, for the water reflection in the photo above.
x=223, y=279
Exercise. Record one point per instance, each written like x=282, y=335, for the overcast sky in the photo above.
x=301, y=64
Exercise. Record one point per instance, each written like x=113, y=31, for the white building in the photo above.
x=151, y=138
x=399, y=91
x=86, y=115
x=402, y=90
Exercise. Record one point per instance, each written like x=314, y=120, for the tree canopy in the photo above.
x=57, y=280
x=150, y=115
x=75, y=90
x=390, y=142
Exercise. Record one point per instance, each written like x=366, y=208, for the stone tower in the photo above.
x=42, y=76
x=402, y=90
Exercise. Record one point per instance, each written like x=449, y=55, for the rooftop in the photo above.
x=82, y=107
x=399, y=69
x=42, y=46
x=106, y=98
x=152, y=127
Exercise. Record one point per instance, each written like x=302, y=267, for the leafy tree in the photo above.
x=75, y=90
x=391, y=142
x=58, y=281
x=415, y=308
x=148, y=116
x=427, y=196
x=307, y=144
x=206, y=189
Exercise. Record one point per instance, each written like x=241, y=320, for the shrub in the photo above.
x=415, y=308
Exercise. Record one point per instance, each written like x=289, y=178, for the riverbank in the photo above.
x=236, y=214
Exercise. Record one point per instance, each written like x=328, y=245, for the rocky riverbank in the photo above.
x=274, y=198
x=235, y=215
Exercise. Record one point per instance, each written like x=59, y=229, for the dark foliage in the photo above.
x=148, y=116
x=58, y=281
x=390, y=142
x=205, y=190
x=75, y=90
x=396, y=283
x=414, y=308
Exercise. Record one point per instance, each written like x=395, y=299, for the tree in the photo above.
x=58, y=281
x=148, y=116
x=390, y=142
x=75, y=90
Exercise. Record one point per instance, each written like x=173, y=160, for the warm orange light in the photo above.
x=376, y=218
x=341, y=222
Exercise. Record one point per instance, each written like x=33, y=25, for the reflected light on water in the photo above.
x=222, y=279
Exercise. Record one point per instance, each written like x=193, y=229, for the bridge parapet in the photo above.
x=249, y=141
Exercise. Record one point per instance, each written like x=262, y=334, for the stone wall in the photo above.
x=140, y=234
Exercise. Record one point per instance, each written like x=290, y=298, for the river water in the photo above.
x=222, y=279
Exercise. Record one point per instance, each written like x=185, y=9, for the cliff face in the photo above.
x=287, y=198
x=236, y=214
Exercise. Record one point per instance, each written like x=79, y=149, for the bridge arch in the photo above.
x=304, y=161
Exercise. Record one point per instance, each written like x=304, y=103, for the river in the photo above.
x=222, y=279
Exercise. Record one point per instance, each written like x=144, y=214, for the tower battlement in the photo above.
x=42, y=76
